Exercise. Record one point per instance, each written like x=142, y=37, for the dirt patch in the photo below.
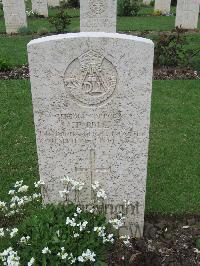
x=159, y=73
x=168, y=241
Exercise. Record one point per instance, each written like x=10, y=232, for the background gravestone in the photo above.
x=187, y=14
x=53, y=3
x=40, y=7
x=146, y=2
x=15, y=15
x=163, y=5
x=91, y=96
x=98, y=15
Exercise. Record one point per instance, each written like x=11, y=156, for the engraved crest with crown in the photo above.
x=97, y=6
x=90, y=79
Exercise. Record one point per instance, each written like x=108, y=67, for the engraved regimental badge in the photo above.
x=90, y=79
x=97, y=6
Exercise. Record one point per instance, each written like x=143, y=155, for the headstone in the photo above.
x=163, y=6
x=15, y=15
x=187, y=14
x=146, y=2
x=91, y=97
x=40, y=7
x=53, y=3
x=98, y=15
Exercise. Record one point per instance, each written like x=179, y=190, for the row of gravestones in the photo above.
x=15, y=16
x=187, y=11
x=15, y=13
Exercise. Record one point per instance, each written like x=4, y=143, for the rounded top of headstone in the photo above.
x=90, y=35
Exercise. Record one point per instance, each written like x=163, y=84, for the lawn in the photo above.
x=173, y=170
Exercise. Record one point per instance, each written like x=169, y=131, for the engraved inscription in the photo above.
x=97, y=6
x=90, y=79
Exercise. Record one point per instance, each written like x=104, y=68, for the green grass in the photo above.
x=174, y=168
x=14, y=50
x=17, y=145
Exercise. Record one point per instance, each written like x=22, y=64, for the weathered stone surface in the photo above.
x=187, y=14
x=40, y=7
x=53, y=3
x=163, y=6
x=91, y=96
x=98, y=15
x=14, y=14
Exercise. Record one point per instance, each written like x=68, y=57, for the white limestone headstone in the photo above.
x=146, y=2
x=40, y=7
x=91, y=97
x=53, y=3
x=15, y=15
x=163, y=5
x=187, y=14
x=98, y=15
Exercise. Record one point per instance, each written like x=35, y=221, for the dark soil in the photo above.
x=168, y=241
x=159, y=73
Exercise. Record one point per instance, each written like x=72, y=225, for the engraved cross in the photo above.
x=91, y=171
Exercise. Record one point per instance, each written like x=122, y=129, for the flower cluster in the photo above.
x=10, y=257
x=71, y=185
x=117, y=222
x=98, y=191
x=87, y=256
x=18, y=200
x=101, y=233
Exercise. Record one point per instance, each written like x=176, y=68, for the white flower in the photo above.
x=10, y=257
x=78, y=210
x=63, y=255
x=25, y=239
x=101, y=194
x=109, y=238
x=2, y=205
x=13, y=206
x=18, y=184
x=77, y=185
x=31, y=262
x=23, y=189
x=13, y=232
x=66, y=180
x=71, y=222
x=2, y=232
x=81, y=259
x=15, y=199
x=63, y=193
x=76, y=235
x=127, y=203
x=11, y=192
x=88, y=255
x=100, y=230
x=36, y=195
x=82, y=225
x=46, y=250
x=117, y=223
x=95, y=185
x=39, y=183
x=196, y=251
